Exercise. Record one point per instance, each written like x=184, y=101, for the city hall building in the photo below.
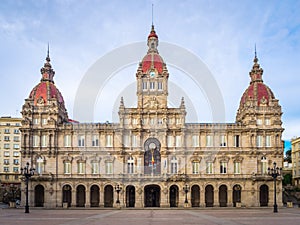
x=151, y=157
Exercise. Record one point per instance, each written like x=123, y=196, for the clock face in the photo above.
x=152, y=143
x=152, y=74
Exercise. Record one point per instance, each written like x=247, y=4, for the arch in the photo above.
x=130, y=196
x=108, y=196
x=152, y=157
x=174, y=196
x=209, y=196
x=223, y=195
x=236, y=194
x=94, y=196
x=195, y=196
x=39, y=192
x=67, y=194
x=264, y=195
x=80, y=196
x=152, y=195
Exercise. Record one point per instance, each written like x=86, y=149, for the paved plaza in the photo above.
x=228, y=216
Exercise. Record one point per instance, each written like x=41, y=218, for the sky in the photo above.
x=222, y=34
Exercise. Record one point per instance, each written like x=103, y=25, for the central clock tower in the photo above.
x=152, y=77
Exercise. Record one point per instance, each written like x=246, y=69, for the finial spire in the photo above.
x=48, y=54
x=152, y=14
x=255, y=50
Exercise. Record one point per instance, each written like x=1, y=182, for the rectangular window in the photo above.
x=259, y=141
x=178, y=141
x=223, y=167
x=267, y=122
x=95, y=141
x=195, y=141
x=16, y=161
x=134, y=121
x=196, y=166
x=130, y=167
x=126, y=140
x=109, y=167
x=16, y=169
x=6, y=162
x=159, y=86
x=6, y=146
x=16, y=138
x=209, y=167
x=178, y=120
x=134, y=140
x=80, y=141
x=236, y=140
x=259, y=121
x=16, y=154
x=67, y=140
x=6, y=169
x=144, y=85
x=35, y=121
x=81, y=168
x=39, y=166
x=67, y=167
x=108, y=141
x=268, y=141
x=16, y=146
x=209, y=141
x=170, y=141
x=6, y=153
x=44, y=121
x=35, y=141
x=6, y=131
x=44, y=141
x=152, y=85
x=237, y=167
x=95, y=167
x=6, y=138
x=223, y=142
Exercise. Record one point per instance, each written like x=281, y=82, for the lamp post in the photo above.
x=274, y=172
x=186, y=190
x=118, y=189
x=27, y=173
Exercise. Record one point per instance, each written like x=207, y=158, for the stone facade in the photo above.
x=296, y=161
x=152, y=157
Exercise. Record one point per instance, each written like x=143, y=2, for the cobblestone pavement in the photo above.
x=228, y=216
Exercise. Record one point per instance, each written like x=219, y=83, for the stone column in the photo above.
x=73, y=203
x=216, y=197
x=164, y=201
x=87, y=198
x=202, y=198
x=229, y=198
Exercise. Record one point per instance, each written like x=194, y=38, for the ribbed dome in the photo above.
x=46, y=89
x=152, y=61
x=257, y=93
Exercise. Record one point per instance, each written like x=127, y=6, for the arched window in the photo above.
x=264, y=165
x=39, y=165
x=195, y=165
x=174, y=164
x=130, y=165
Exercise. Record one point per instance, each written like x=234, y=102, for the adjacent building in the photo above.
x=152, y=157
x=296, y=160
x=10, y=150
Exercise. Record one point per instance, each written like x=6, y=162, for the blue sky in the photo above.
x=221, y=33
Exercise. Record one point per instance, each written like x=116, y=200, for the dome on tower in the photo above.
x=46, y=89
x=257, y=93
x=152, y=61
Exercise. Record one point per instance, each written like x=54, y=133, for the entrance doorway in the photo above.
x=236, y=194
x=264, y=195
x=67, y=195
x=108, y=196
x=80, y=196
x=209, y=196
x=195, y=196
x=39, y=196
x=130, y=196
x=152, y=196
x=94, y=196
x=223, y=195
x=174, y=196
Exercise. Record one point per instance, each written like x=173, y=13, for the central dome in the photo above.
x=152, y=61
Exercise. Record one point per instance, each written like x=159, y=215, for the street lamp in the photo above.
x=118, y=189
x=274, y=172
x=186, y=190
x=27, y=173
